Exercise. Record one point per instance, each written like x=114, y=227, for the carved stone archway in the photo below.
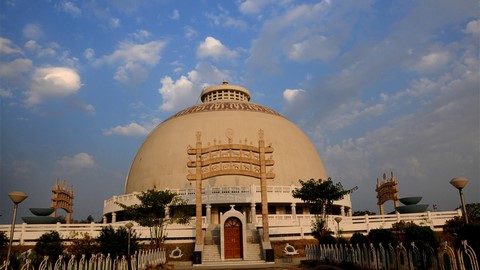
x=230, y=159
x=62, y=198
x=387, y=190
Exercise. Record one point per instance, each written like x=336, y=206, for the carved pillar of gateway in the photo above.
x=230, y=159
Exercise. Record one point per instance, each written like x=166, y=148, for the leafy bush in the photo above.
x=342, y=241
x=327, y=239
x=3, y=245
x=358, y=238
x=411, y=232
x=85, y=245
x=456, y=231
x=383, y=236
x=115, y=242
x=49, y=244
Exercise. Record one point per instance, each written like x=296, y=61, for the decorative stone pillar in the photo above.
x=114, y=217
x=104, y=219
x=350, y=212
x=209, y=213
x=342, y=210
x=294, y=210
x=253, y=213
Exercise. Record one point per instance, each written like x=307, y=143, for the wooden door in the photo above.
x=233, y=238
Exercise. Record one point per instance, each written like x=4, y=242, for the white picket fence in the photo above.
x=139, y=260
x=400, y=257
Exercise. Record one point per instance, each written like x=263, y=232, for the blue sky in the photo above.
x=378, y=86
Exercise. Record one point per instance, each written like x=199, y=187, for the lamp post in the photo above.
x=129, y=226
x=460, y=183
x=17, y=197
x=338, y=220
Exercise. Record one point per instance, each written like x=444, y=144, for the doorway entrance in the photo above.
x=233, y=238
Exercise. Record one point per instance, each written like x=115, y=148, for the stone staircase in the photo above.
x=211, y=253
x=253, y=252
x=211, y=249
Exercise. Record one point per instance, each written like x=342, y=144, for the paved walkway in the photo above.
x=271, y=266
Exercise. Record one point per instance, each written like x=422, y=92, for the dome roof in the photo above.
x=225, y=115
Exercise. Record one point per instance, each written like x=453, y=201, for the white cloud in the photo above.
x=75, y=163
x=31, y=45
x=114, y=22
x=12, y=71
x=32, y=31
x=223, y=19
x=175, y=15
x=213, y=48
x=69, y=7
x=89, y=53
x=78, y=104
x=141, y=35
x=6, y=47
x=133, y=129
x=348, y=116
x=312, y=48
x=133, y=58
x=298, y=33
x=50, y=82
x=291, y=95
x=432, y=61
x=473, y=27
x=253, y=6
x=185, y=91
x=34, y=47
x=417, y=88
x=90, y=109
x=175, y=92
x=189, y=32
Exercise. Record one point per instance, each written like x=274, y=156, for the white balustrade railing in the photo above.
x=301, y=224
x=279, y=225
x=282, y=193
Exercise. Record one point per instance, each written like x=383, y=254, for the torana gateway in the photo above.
x=237, y=161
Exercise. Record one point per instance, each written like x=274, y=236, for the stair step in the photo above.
x=253, y=253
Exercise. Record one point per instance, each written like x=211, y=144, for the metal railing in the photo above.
x=400, y=257
x=139, y=260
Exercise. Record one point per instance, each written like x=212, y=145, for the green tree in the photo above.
x=363, y=213
x=84, y=245
x=49, y=244
x=88, y=220
x=320, y=195
x=408, y=232
x=151, y=212
x=115, y=242
x=473, y=212
x=3, y=244
x=383, y=236
x=455, y=231
x=359, y=239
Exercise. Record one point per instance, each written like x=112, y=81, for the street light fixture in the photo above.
x=338, y=220
x=129, y=226
x=17, y=197
x=460, y=183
